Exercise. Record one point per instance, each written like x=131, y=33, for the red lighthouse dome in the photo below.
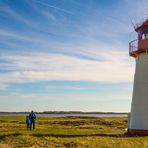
x=139, y=45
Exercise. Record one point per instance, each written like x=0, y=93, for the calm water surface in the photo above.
x=65, y=115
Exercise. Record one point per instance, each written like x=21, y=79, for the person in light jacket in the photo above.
x=28, y=122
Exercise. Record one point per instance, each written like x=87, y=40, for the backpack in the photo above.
x=28, y=122
x=32, y=116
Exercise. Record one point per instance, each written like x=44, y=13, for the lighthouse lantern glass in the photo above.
x=145, y=33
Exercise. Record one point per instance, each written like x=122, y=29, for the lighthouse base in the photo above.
x=140, y=132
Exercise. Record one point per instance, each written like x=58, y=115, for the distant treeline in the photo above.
x=64, y=112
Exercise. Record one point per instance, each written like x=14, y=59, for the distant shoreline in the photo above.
x=67, y=113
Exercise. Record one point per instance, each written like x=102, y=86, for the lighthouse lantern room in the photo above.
x=138, y=119
x=139, y=45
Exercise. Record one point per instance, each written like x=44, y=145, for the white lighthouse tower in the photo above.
x=138, y=119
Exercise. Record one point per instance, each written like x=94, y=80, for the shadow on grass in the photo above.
x=11, y=134
x=71, y=135
x=78, y=135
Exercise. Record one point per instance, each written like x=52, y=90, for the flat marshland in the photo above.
x=68, y=132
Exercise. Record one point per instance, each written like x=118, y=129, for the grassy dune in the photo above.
x=68, y=132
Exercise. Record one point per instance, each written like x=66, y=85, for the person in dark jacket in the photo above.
x=32, y=117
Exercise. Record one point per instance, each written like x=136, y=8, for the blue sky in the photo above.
x=67, y=54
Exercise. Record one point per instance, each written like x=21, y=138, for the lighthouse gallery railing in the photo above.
x=133, y=46
x=137, y=46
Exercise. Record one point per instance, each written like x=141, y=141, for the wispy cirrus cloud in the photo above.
x=8, y=11
x=85, y=58
x=46, y=67
x=57, y=88
x=3, y=86
x=51, y=6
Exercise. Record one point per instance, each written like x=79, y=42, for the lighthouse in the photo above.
x=138, y=119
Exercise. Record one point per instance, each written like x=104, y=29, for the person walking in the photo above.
x=32, y=117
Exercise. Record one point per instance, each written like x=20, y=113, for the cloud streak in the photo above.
x=56, y=8
x=46, y=67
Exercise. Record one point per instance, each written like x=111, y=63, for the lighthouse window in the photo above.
x=145, y=33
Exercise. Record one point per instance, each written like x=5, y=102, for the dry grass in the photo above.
x=68, y=132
